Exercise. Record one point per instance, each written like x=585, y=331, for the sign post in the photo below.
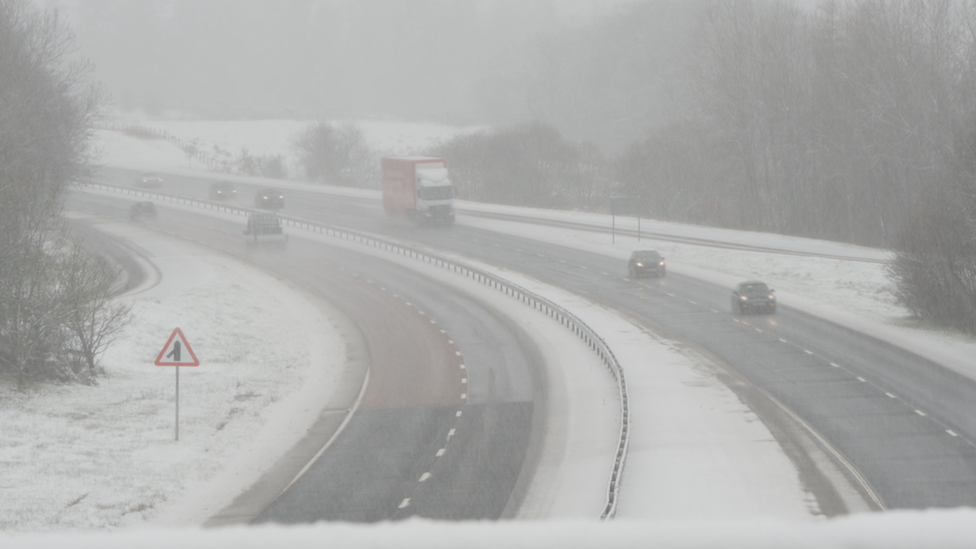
x=177, y=352
x=624, y=205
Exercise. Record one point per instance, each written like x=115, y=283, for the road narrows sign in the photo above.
x=177, y=352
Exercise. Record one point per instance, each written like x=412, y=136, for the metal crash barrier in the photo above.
x=553, y=310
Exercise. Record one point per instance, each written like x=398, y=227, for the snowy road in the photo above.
x=653, y=468
x=840, y=400
x=757, y=482
x=408, y=423
x=861, y=450
x=699, y=452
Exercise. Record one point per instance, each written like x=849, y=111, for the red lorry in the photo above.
x=418, y=187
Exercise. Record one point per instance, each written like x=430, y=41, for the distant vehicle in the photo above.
x=222, y=190
x=753, y=296
x=418, y=188
x=149, y=181
x=264, y=231
x=269, y=199
x=646, y=262
x=142, y=210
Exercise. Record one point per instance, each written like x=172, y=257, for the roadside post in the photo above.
x=624, y=205
x=177, y=352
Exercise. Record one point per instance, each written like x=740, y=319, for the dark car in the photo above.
x=753, y=296
x=149, y=181
x=269, y=199
x=646, y=263
x=142, y=210
x=222, y=190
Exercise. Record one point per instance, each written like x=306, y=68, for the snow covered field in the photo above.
x=109, y=460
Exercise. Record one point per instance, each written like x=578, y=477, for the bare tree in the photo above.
x=336, y=154
x=46, y=110
x=91, y=317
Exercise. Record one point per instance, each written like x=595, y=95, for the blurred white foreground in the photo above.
x=902, y=530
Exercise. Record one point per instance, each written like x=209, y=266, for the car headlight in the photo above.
x=744, y=298
x=772, y=297
x=639, y=264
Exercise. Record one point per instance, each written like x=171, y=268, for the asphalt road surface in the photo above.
x=904, y=426
x=450, y=421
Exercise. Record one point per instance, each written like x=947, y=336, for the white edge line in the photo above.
x=342, y=426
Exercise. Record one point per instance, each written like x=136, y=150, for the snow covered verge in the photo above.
x=104, y=457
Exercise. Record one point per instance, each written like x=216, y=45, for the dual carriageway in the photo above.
x=898, y=427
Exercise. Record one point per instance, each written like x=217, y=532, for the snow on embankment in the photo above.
x=78, y=458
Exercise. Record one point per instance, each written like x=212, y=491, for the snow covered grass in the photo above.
x=275, y=137
x=78, y=457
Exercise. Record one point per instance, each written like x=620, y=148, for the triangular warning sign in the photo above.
x=177, y=352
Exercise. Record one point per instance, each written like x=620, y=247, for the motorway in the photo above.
x=448, y=425
x=903, y=427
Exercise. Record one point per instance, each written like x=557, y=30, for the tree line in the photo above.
x=853, y=122
x=55, y=313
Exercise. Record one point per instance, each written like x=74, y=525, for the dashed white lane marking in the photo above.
x=464, y=380
x=604, y=273
x=450, y=433
x=859, y=378
x=951, y=432
x=432, y=321
x=424, y=477
x=464, y=396
x=783, y=340
x=463, y=367
x=692, y=302
x=441, y=452
x=807, y=352
x=404, y=503
x=383, y=288
x=889, y=395
x=457, y=353
x=835, y=365
x=458, y=414
x=450, y=342
x=582, y=267
x=758, y=330
x=443, y=331
x=921, y=413
x=423, y=313
x=713, y=310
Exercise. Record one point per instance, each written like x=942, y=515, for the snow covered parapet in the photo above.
x=558, y=313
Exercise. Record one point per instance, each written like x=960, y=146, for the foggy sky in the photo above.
x=341, y=58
